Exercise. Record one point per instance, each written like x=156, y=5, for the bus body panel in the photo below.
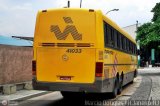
x=123, y=62
x=99, y=86
x=65, y=26
x=60, y=65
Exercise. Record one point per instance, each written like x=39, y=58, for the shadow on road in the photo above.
x=87, y=99
x=74, y=100
x=80, y=100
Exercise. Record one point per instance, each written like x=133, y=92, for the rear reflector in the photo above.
x=99, y=69
x=33, y=67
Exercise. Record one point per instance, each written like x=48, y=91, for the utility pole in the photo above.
x=138, y=45
x=68, y=4
x=80, y=3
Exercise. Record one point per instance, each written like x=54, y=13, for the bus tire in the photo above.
x=132, y=82
x=115, y=88
x=135, y=73
x=120, y=85
x=134, y=76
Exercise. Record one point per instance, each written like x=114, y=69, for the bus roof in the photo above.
x=66, y=9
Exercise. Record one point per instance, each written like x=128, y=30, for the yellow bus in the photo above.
x=81, y=50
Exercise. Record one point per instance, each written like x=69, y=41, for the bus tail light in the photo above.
x=33, y=67
x=99, y=69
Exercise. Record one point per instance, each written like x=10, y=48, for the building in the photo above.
x=131, y=29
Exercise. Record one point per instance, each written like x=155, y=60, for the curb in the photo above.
x=20, y=99
x=128, y=94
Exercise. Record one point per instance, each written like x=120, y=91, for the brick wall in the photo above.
x=15, y=64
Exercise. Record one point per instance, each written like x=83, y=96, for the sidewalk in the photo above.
x=21, y=95
x=148, y=68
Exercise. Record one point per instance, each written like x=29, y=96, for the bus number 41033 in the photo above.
x=74, y=50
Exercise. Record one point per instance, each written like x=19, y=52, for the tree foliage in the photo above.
x=156, y=12
x=149, y=33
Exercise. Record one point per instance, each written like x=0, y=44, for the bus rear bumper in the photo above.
x=96, y=87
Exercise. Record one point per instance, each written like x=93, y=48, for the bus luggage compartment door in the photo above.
x=75, y=65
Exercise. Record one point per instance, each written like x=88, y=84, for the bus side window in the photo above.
x=115, y=39
x=105, y=34
x=136, y=50
x=133, y=48
x=122, y=42
x=125, y=47
x=112, y=37
x=109, y=35
x=118, y=40
x=130, y=45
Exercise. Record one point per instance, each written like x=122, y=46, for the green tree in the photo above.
x=156, y=11
x=149, y=33
x=149, y=36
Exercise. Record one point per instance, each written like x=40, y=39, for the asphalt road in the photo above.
x=145, y=87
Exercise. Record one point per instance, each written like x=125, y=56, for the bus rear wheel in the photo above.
x=120, y=83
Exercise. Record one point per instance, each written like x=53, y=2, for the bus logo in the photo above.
x=65, y=57
x=70, y=28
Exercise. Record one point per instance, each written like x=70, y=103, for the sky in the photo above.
x=18, y=17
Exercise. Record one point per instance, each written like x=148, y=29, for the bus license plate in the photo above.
x=65, y=77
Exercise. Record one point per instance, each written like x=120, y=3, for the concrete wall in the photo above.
x=15, y=64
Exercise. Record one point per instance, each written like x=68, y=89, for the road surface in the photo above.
x=145, y=87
